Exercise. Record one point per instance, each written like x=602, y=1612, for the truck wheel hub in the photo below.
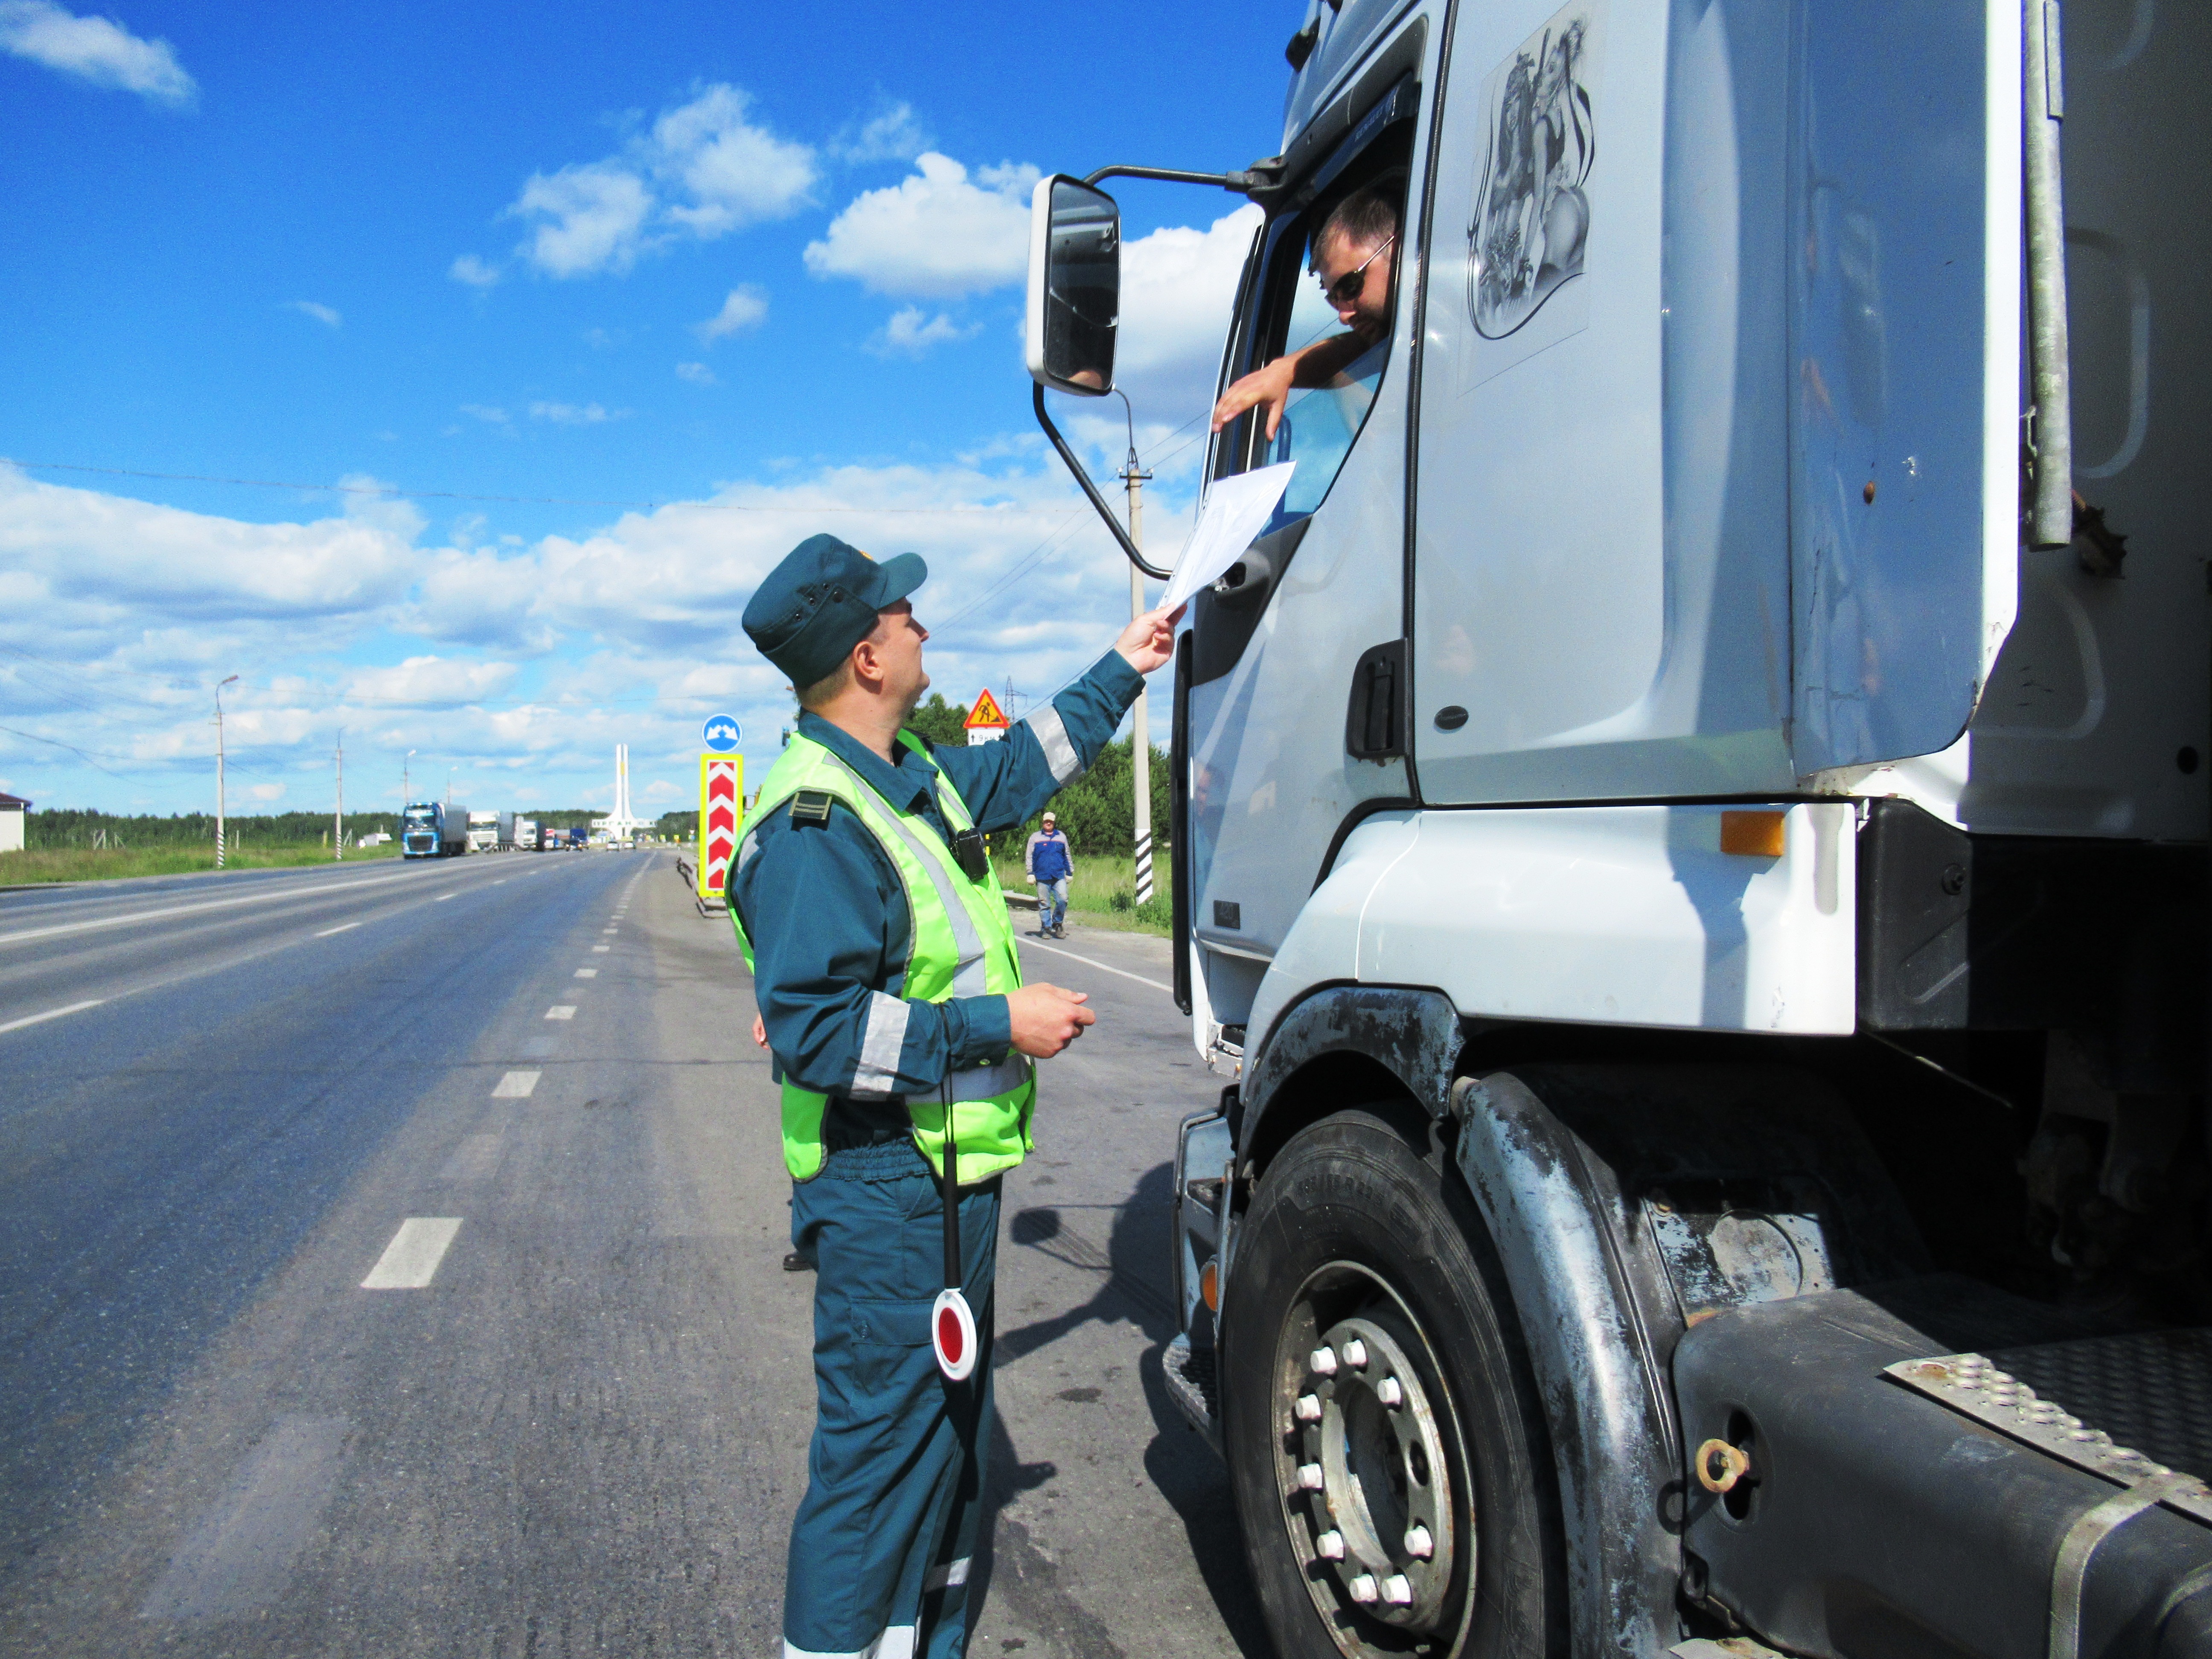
x=1372, y=1477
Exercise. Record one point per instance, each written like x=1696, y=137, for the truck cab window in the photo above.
x=1326, y=301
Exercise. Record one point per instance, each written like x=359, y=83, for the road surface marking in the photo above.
x=442, y=897
x=410, y=1260
x=240, y=1557
x=601, y=950
x=60, y=928
x=50, y=1013
x=606, y=930
x=516, y=1086
x=1089, y=962
x=561, y=1011
x=588, y=973
x=344, y=927
x=472, y=1160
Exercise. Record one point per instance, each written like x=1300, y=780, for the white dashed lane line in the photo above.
x=442, y=897
x=50, y=1013
x=410, y=1261
x=601, y=950
x=343, y=928
x=516, y=1086
x=561, y=1011
x=588, y=973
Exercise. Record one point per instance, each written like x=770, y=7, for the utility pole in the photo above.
x=1141, y=743
x=338, y=820
x=406, y=788
x=218, y=769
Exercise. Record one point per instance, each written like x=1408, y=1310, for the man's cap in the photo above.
x=821, y=601
x=1051, y=818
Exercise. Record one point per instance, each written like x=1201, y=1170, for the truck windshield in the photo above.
x=418, y=818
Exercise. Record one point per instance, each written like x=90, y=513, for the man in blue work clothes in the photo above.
x=889, y=992
x=1050, y=865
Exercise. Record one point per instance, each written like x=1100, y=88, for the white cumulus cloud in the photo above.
x=473, y=270
x=936, y=234
x=326, y=315
x=94, y=49
x=912, y=332
x=702, y=170
x=698, y=373
x=746, y=307
x=891, y=134
x=1177, y=287
x=576, y=414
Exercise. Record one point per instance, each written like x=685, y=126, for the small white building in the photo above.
x=12, y=809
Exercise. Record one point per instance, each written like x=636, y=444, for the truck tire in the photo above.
x=1386, y=1444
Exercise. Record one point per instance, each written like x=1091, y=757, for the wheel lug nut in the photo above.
x=1323, y=1362
x=1362, y=1588
x=1397, y=1591
x=1310, y=1478
x=1330, y=1546
x=1307, y=1409
x=1390, y=1393
x=1355, y=1353
x=1418, y=1544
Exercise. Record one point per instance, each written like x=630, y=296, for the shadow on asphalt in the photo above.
x=1136, y=1288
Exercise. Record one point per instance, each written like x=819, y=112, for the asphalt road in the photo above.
x=390, y=1263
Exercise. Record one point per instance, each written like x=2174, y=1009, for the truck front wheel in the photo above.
x=1385, y=1441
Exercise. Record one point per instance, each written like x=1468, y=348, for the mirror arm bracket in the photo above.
x=1259, y=177
x=1075, y=465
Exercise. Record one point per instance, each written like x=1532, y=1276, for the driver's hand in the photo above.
x=1270, y=386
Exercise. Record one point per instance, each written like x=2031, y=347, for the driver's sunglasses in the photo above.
x=1346, y=289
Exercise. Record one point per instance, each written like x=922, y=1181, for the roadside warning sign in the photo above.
x=986, y=722
x=722, y=787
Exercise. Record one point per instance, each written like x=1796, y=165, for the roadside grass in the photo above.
x=1104, y=891
x=44, y=864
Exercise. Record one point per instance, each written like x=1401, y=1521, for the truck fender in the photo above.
x=1570, y=1254
x=1414, y=1034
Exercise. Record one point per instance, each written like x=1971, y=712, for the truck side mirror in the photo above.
x=1075, y=287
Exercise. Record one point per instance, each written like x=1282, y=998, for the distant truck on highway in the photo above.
x=1689, y=844
x=433, y=829
x=524, y=838
x=484, y=831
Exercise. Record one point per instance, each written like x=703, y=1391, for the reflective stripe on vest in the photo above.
x=960, y=944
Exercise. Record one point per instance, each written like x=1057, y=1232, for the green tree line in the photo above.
x=76, y=827
x=1097, y=810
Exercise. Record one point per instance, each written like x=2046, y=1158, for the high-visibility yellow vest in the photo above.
x=961, y=943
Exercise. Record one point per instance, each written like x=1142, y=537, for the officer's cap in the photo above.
x=821, y=601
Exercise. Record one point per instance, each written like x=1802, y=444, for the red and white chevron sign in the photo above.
x=722, y=788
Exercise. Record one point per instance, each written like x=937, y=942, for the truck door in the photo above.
x=1716, y=466
x=1274, y=655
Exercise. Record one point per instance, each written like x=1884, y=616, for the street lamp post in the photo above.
x=218, y=769
x=1141, y=741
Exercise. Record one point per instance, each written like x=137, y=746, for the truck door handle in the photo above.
x=1373, y=723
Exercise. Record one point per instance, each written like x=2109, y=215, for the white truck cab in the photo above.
x=1691, y=834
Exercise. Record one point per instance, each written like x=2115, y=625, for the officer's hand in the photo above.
x=1045, y=1018
x=1149, y=642
x=760, y=1033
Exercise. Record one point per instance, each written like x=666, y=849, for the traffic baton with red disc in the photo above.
x=951, y=1324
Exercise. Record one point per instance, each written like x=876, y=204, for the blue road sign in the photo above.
x=721, y=734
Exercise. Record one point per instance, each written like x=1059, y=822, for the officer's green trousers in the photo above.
x=881, y=1546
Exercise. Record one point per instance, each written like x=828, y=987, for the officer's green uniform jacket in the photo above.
x=826, y=909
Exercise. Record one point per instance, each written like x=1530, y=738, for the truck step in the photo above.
x=1877, y=1505
x=1189, y=1374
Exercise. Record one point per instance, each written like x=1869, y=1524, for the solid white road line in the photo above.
x=410, y=1260
x=1090, y=962
x=563, y=1011
x=50, y=1013
x=516, y=1086
x=588, y=973
x=285, y=892
x=343, y=927
x=442, y=897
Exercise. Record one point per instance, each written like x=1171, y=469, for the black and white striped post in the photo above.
x=1141, y=746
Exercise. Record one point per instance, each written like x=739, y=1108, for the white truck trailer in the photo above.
x=524, y=835
x=1689, y=835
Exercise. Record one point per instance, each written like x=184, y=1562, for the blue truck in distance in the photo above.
x=433, y=829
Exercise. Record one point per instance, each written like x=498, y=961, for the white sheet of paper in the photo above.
x=1235, y=508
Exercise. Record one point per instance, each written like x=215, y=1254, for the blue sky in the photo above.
x=759, y=269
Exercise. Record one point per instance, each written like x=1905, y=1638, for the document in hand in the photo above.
x=1235, y=510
